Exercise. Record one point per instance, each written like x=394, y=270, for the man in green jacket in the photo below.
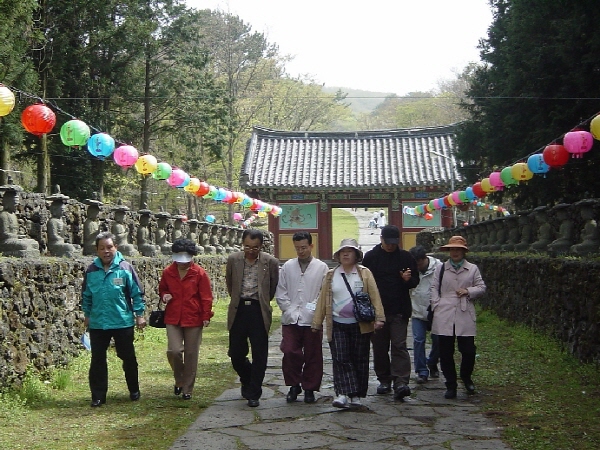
x=113, y=302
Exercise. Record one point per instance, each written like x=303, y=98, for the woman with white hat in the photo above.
x=349, y=339
x=454, y=287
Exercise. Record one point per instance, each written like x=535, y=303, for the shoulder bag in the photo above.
x=364, y=311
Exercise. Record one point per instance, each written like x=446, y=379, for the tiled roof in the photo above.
x=414, y=157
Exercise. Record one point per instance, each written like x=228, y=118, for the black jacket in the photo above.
x=386, y=268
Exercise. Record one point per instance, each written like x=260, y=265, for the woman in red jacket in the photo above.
x=185, y=290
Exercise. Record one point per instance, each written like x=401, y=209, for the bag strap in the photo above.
x=349, y=288
x=441, y=278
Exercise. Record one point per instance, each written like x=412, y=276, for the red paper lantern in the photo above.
x=478, y=190
x=203, y=189
x=38, y=119
x=555, y=155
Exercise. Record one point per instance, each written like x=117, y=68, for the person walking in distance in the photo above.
x=395, y=272
x=251, y=277
x=421, y=300
x=297, y=294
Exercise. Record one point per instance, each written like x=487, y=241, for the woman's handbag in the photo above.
x=364, y=311
x=157, y=319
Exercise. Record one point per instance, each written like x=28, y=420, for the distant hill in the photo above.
x=360, y=101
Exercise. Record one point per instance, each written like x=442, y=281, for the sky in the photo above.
x=390, y=46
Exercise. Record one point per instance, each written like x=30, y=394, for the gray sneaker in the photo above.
x=401, y=391
x=384, y=388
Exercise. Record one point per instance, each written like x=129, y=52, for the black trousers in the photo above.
x=98, y=375
x=466, y=346
x=248, y=325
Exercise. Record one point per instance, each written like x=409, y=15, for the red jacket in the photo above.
x=192, y=296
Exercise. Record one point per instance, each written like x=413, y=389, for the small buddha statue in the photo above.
x=514, y=234
x=490, y=236
x=590, y=235
x=91, y=226
x=121, y=231
x=56, y=227
x=160, y=236
x=231, y=236
x=545, y=233
x=499, y=225
x=566, y=230
x=177, y=227
x=12, y=242
x=215, y=241
x=144, y=234
x=205, y=237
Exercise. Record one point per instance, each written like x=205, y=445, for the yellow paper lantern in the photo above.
x=486, y=185
x=595, y=127
x=7, y=100
x=193, y=185
x=262, y=214
x=450, y=200
x=146, y=164
x=521, y=172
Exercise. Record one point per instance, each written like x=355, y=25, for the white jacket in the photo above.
x=296, y=289
x=420, y=296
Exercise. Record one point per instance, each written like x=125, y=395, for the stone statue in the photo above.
x=514, y=234
x=223, y=241
x=566, y=230
x=205, y=240
x=590, y=235
x=231, y=236
x=91, y=226
x=526, y=231
x=12, y=243
x=239, y=243
x=192, y=234
x=476, y=229
x=144, y=234
x=177, y=225
x=214, y=240
x=56, y=227
x=121, y=231
x=500, y=229
x=545, y=233
x=160, y=236
x=483, y=237
x=490, y=236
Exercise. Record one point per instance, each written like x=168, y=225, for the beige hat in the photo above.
x=349, y=243
x=455, y=242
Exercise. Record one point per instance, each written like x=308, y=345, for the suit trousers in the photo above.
x=302, y=362
x=248, y=325
x=392, y=367
x=183, y=347
x=98, y=375
x=466, y=346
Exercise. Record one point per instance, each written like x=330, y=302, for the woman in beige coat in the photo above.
x=349, y=340
x=454, y=313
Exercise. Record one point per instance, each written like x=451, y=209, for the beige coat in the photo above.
x=324, y=308
x=268, y=276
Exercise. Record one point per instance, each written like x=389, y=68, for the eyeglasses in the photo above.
x=301, y=249
x=251, y=249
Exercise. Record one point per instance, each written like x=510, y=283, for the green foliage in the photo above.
x=345, y=226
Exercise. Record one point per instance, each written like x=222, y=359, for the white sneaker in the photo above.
x=341, y=401
x=355, y=401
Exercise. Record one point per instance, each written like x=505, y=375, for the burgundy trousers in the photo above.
x=302, y=357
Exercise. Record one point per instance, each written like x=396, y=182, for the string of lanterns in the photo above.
x=555, y=155
x=39, y=119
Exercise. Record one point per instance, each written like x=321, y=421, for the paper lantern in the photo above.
x=456, y=198
x=7, y=100
x=212, y=191
x=536, y=164
x=462, y=195
x=478, y=190
x=221, y=193
x=487, y=186
x=202, y=189
x=237, y=216
x=555, y=155
x=101, y=145
x=162, y=172
x=578, y=142
x=521, y=172
x=74, y=133
x=185, y=182
x=506, y=176
x=229, y=198
x=146, y=164
x=428, y=216
x=125, y=155
x=276, y=211
x=496, y=181
x=247, y=202
x=595, y=127
x=192, y=186
x=210, y=218
x=262, y=214
x=39, y=119
x=177, y=177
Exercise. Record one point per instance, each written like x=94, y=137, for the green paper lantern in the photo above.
x=162, y=172
x=506, y=176
x=74, y=133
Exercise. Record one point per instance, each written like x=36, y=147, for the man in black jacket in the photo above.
x=395, y=272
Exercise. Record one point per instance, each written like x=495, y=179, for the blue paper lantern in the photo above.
x=210, y=218
x=536, y=164
x=470, y=194
x=101, y=145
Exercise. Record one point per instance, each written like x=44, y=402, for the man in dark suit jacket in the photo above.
x=251, y=277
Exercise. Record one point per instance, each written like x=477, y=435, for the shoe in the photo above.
x=341, y=401
x=450, y=393
x=470, y=387
x=252, y=403
x=177, y=390
x=96, y=403
x=401, y=391
x=186, y=396
x=434, y=372
x=421, y=379
x=355, y=401
x=309, y=396
x=134, y=396
x=384, y=388
x=293, y=394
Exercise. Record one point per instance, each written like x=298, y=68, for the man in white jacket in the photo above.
x=420, y=297
x=297, y=292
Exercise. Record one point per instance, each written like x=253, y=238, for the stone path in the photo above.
x=424, y=421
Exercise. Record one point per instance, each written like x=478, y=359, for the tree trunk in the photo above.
x=43, y=167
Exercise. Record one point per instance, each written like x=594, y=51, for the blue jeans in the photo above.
x=419, y=329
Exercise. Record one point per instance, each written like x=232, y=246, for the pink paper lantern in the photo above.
x=456, y=198
x=177, y=177
x=125, y=155
x=237, y=216
x=496, y=181
x=578, y=142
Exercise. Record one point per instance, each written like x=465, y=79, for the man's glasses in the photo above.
x=251, y=249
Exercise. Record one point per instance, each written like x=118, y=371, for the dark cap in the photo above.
x=390, y=234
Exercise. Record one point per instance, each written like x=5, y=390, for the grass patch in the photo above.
x=543, y=397
x=345, y=225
